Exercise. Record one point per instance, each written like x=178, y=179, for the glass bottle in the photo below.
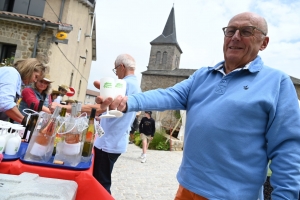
x=45, y=134
x=78, y=108
x=28, y=123
x=89, y=138
x=35, y=119
x=72, y=137
x=61, y=129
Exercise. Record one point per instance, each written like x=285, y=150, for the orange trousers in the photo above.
x=184, y=194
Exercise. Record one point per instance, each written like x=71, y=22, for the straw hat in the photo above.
x=55, y=92
x=47, y=78
x=64, y=87
x=70, y=101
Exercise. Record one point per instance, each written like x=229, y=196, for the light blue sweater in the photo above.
x=235, y=124
x=116, y=130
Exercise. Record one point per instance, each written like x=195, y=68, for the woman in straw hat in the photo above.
x=23, y=72
x=40, y=90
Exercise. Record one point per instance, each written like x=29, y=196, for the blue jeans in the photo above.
x=103, y=166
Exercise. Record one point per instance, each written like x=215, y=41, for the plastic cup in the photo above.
x=120, y=87
x=107, y=88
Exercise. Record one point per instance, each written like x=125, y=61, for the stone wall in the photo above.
x=172, y=53
x=23, y=36
x=150, y=82
x=165, y=119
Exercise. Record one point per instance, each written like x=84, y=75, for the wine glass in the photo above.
x=107, y=90
x=120, y=89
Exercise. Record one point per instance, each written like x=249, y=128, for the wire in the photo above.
x=54, y=13
x=72, y=63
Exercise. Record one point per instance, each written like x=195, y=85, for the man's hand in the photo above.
x=53, y=105
x=118, y=103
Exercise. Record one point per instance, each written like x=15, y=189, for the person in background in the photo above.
x=115, y=140
x=54, y=94
x=23, y=72
x=134, y=127
x=240, y=114
x=39, y=90
x=69, y=101
x=147, y=130
x=63, y=89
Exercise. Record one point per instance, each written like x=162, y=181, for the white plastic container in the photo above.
x=14, y=142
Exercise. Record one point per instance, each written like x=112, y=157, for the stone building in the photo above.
x=36, y=28
x=90, y=96
x=163, y=69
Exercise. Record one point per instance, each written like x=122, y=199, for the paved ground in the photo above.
x=155, y=179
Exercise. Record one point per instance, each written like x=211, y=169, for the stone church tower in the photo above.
x=163, y=68
x=165, y=50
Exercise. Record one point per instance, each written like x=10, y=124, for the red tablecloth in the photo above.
x=88, y=186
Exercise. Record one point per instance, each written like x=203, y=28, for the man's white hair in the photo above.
x=127, y=60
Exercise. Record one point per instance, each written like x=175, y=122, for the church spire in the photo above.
x=169, y=33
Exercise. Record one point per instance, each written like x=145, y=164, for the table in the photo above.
x=88, y=187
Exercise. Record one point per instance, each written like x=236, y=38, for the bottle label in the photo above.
x=27, y=136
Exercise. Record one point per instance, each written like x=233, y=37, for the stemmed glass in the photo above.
x=120, y=89
x=107, y=90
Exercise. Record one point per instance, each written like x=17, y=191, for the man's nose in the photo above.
x=237, y=35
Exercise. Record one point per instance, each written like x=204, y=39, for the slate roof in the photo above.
x=31, y=19
x=92, y=93
x=296, y=81
x=169, y=33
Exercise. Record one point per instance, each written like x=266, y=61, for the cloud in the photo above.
x=129, y=26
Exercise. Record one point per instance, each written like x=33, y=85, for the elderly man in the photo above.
x=115, y=140
x=240, y=115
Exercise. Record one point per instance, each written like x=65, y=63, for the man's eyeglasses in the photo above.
x=245, y=31
x=115, y=69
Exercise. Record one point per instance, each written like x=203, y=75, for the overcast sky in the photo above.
x=128, y=26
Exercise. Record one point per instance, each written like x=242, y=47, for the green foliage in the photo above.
x=163, y=146
x=158, y=142
x=177, y=114
x=7, y=62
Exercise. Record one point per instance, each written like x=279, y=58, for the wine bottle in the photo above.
x=28, y=123
x=44, y=136
x=78, y=108
x=61, y=130
x=35, y=118
x=72, y=137
x=89, y=137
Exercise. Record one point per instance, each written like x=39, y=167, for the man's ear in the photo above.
x=264, y=44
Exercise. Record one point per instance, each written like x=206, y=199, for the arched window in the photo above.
x=164, y=61
x=158, y=58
